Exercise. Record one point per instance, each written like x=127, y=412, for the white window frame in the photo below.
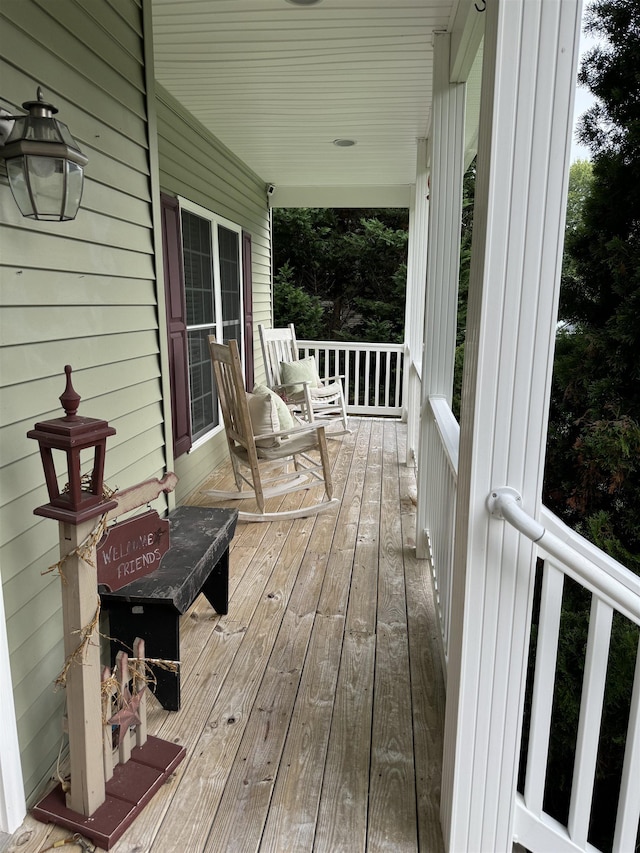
x=215, y=220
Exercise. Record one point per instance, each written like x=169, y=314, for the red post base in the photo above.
x=132, y=786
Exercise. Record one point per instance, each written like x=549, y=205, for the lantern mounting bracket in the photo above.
x=6, y=125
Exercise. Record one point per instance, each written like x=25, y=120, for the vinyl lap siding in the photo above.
x=82, y=293
x=196, y=166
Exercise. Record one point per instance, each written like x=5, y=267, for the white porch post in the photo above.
x=530, y=56
x=414, y=308
x=12, y=802
x=443, y=262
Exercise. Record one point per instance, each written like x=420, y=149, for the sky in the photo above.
x=584, y=99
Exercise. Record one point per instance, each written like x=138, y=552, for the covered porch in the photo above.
x=313, y=712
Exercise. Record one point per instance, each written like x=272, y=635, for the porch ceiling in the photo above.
x=277, y=83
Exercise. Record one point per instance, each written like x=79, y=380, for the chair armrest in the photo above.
x=304, y=385
x=285, y=433
x=331, y=379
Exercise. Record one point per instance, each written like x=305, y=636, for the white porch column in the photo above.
x=12, y=802
x=443, y=262
x=530, y=56
x=414, y=308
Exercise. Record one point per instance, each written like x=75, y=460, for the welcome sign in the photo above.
x=132, y=549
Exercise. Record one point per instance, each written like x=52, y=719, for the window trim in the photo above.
x=215, y=220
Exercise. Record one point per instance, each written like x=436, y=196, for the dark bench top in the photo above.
x=199, y=536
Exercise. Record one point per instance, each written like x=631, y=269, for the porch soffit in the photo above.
x=277, y=83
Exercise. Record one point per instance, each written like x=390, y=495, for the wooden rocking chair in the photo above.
x=255, y=439
x=298, y=379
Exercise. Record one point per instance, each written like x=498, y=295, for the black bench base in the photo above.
x=150, y=608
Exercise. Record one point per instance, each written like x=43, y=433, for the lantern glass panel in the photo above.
x=36, y=128
x=47, y=188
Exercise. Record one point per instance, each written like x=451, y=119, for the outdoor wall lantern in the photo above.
x=45, y=167
x=83, y=497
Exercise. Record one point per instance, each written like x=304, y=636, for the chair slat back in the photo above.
x=227, y=369
x=278, y=345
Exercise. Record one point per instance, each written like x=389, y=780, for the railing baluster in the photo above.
x=387, y=384
x=396, y=400
x=372, y=386
x=544, y=678
x=347, y=378
x=628, y=817
x=595, y=673
x=366, y=397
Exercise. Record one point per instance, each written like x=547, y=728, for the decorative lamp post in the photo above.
x=45, y=166
x=82, y=499
x=76, y=509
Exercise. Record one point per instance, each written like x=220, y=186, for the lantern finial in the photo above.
x=70, y=399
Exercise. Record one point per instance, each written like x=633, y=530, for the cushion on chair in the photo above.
x=292, y=373
x=264, y=418
x=322, y=392
x=284, y=415
x=296, y=444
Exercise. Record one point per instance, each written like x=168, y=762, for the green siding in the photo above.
x=196, y=166
x=82, y=293
x=85, y=293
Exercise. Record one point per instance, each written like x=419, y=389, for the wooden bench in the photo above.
x=150, y=607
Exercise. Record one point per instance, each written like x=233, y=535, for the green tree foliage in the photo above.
x=593, y=463
x=352, y=263
x=580, y=180
x=468, y=198
x=592, y=477
x=292, y=304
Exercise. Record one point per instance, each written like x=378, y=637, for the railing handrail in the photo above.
x=351, y=346
x=596, y=555
x=620, y=589
x=448, y=430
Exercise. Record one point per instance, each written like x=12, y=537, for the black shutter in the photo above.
x=247, y=283
x=176, y=325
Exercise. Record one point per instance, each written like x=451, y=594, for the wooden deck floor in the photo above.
x=312, y=713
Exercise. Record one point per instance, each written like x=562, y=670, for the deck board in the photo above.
x=342, y=818
x=392, y=795
x=312, y=713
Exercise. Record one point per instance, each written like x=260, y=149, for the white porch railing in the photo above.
x=613, y=590
x=372, y=373
x=442, y=436
x=614, y=594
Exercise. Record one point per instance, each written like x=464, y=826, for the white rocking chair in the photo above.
x=254, y=439
x=297, y=379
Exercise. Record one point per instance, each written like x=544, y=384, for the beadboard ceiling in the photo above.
x=277, y=83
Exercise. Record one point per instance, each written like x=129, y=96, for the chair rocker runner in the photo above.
x=255, y=441
x=297, y=378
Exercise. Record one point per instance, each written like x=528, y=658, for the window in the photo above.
x=212, y=286
x=204, y=297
